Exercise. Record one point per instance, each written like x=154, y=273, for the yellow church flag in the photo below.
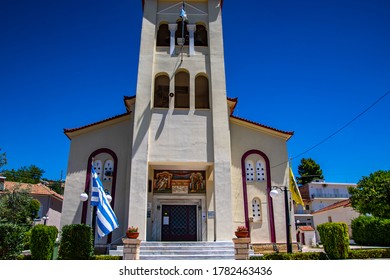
x=295, y=193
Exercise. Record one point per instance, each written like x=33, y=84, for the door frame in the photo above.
x=198, y=201
x=190, y=210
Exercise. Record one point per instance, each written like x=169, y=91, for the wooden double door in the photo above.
x=179, y=223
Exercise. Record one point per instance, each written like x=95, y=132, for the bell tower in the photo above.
x=181, y=117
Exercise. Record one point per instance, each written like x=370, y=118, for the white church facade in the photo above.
x=178, y=163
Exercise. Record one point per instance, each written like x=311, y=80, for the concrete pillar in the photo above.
x=191, y=30
x=131, y=248
x=241, y=248
x=172, y=29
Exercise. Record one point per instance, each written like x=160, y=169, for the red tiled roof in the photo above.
x=68, y=130
x=36, y=189
x=305, y=228
x=143, y=3
x=127, y=98
x=233, y=100
x=264, y=126
x=343, y=203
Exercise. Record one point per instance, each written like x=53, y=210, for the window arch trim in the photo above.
x=269, y=199
x=88, y=182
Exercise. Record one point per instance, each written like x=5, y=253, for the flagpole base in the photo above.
x=131, y=248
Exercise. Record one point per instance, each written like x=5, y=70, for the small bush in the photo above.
x=107, y=257
x=369, y=254
x=334, y=237
x=292, y=256
x=24, y=257
x=76, y=243
x=353, y=254
x=42, y=242
x=11, y=241
x=371, y=231
x=27, y=240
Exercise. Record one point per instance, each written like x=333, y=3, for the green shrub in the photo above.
x=42, y=242
x=371, y=231
x=352, y=254
x=334, y=237
x=27, y=240
x=76, y=243
x=24, y=257
x=369, y=254
x=107, y=257
x=292, y=256
x=11, y=241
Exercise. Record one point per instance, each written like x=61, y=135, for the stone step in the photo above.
x=186, y=250
x=154, y=250
x=186, y=257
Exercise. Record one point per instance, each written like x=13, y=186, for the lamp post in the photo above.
x=274, y=193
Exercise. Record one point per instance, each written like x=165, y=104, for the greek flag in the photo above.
x=106, y=220
x=183, y=13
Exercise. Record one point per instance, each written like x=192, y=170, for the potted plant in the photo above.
x=241, y=232
x=132, y=232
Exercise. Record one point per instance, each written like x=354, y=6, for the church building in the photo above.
x=178, y=163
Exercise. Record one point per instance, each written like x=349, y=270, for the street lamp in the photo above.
x=274, y=193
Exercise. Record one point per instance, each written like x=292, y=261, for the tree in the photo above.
x=372, y=194
x=3, y=159
x=309, y=171
x=18, y=207
x=30, y=175
x=56, y=186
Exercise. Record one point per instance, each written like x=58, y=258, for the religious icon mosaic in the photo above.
x=179, y=182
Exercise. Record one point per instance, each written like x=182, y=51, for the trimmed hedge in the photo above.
x=42, y=242
x=369, y=254
x=371, y=231
x=76, y=243
x=107, y=257
x=352, y=254
x=11, y=241
x=334, y=237
x=292, y=256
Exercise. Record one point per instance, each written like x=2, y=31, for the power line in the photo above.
x=337, y=131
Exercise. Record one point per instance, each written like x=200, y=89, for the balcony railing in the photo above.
x=329, y=195
x=303, y=211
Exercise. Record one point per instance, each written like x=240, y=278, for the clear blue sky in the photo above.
x=303, y=66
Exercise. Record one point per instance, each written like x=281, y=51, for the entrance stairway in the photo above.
x=151, y=250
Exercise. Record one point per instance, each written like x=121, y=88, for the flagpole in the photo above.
x=94, y=213
x=182, y=34
x=94, y=209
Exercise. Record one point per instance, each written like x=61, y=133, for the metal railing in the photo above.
x=300, y=211
x=329, y=195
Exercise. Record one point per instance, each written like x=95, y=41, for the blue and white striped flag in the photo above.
x=106, y=220
x=183, y=13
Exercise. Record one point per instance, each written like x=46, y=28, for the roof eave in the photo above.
x=272, y=131
x=110, y=121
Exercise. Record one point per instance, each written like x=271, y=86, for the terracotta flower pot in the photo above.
x=241, y=234
x=132, y=235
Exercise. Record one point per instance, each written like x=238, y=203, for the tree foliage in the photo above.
x=3, y=159
x=18, y=207
x=309, y=171
x=31, y=174
x=372, y=194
